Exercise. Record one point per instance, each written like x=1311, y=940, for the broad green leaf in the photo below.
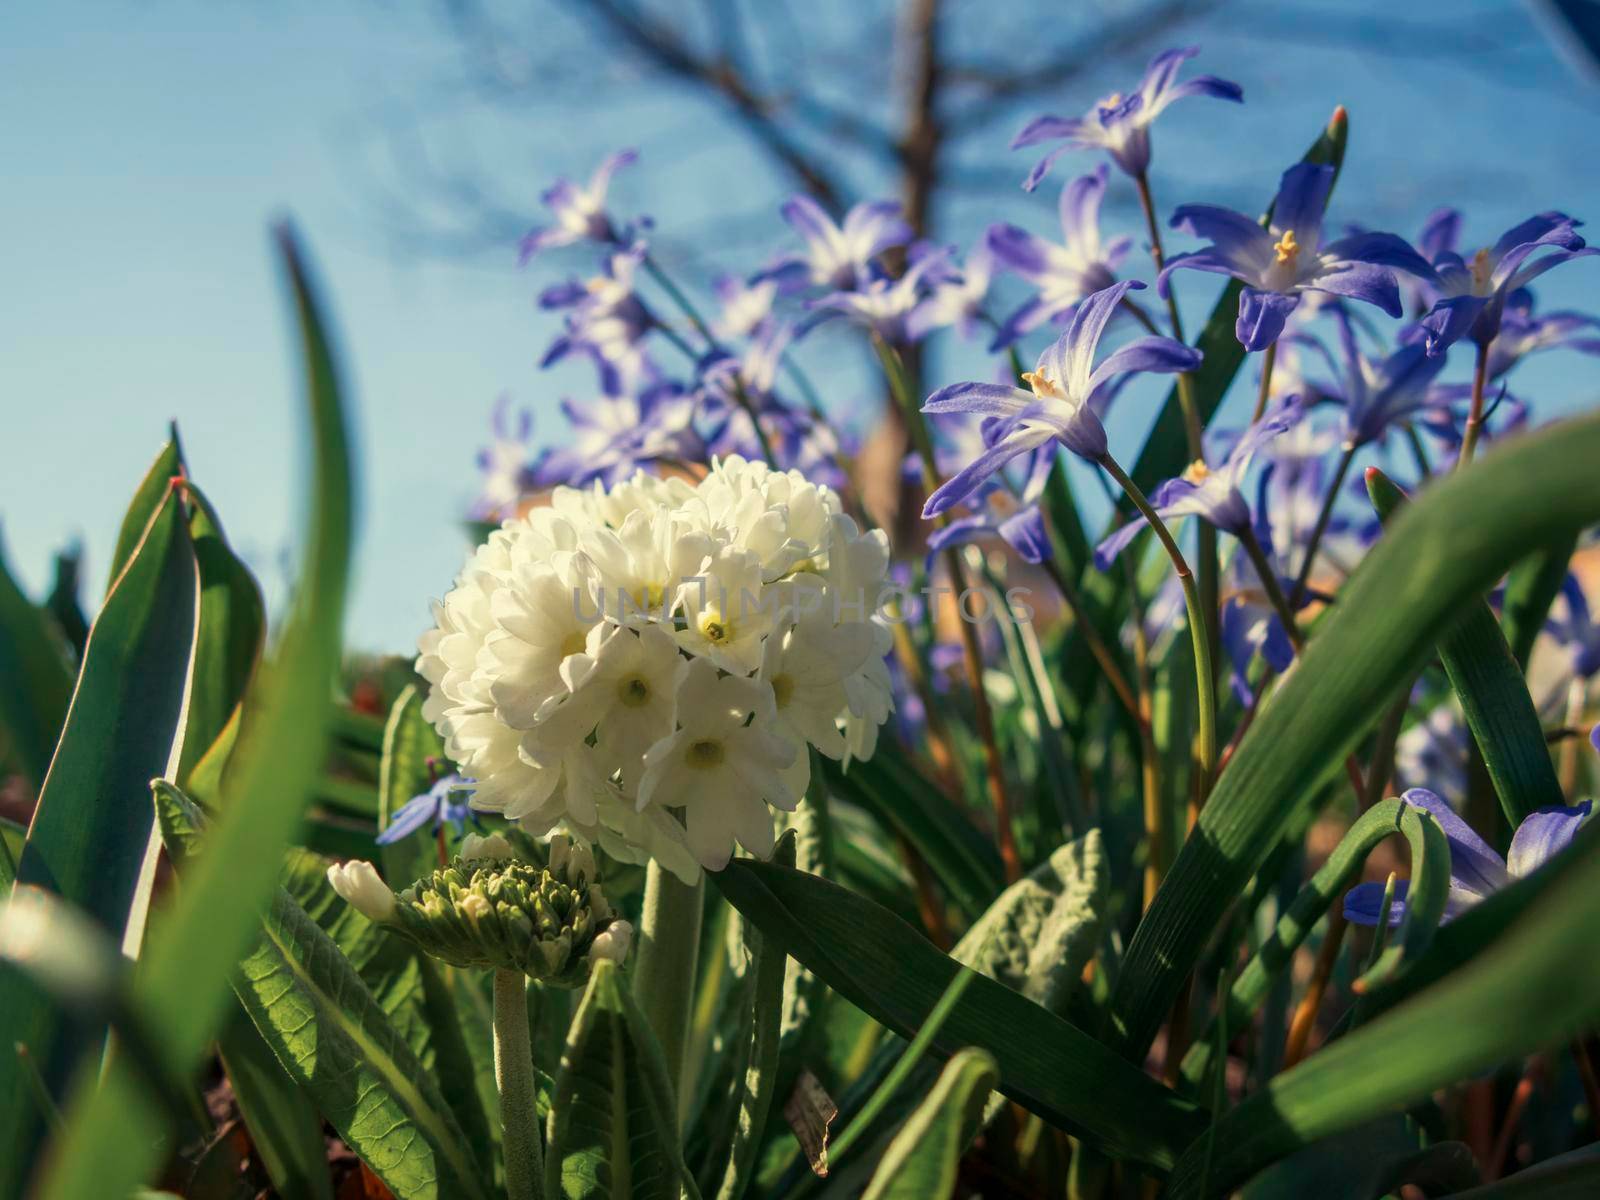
x=1571, y=1176
x=1042, y=931
x=888, y=970
x=149, y=496
x=1438, y=558
x=181, y=989
x=35, y=682
x=1532, y=988
x=909, y=806
x=1531, y=589
x=1493, y=693
x=1430, y=857
x=613, y=1122
x=1365, y=1163
x=286, y=1130
x=233, y=623
x=922, y=1160
x=408, y=743
x=756, y=1069
x=90, y=839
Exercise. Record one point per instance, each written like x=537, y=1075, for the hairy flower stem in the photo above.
x=1269, y=359
x=669, y=954
x=1204, y=669
x=904, y=393
x=1303, y=577
x=1480, y=380
x=513, y=1076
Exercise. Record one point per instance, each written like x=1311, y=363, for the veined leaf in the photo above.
x=112, y=1139
x=37, y=684
x=1440, y=555
x=889, y=971
x=1369, y=1161
x=1533, y=987
x=921, y=1161
x=1493, y=694
x=285, y=1129
x=147, y=498
x=613, y=1121
x=90, y=840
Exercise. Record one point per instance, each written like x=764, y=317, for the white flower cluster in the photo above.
x=646, y=665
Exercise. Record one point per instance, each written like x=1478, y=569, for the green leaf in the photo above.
x=1493, y=693
x=181, y=989
x=921, y=1161
x=285, y=1129
x=63, y=604
x=1441, y=555
x=1365, y=1163
x=149, y=496
x=1046, y=1064
x=1042, y=931
x=90, y=841
x=1430, y=857
x=1533, y=987
x=38, y=684
x=409, y=741
x=909, y=806
x=1531, y=589
x=613, y=1121
x=233, y=624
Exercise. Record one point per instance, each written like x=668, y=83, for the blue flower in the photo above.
x=504, y=463
x=883, y=305
x=1378, y=393
x=615, y=434
x=432, y=808
x=1022, y=528
x=838, y=256
x=1470, y=297
x=745, y=304
x=1279, y=263
x=580, y=212
x=1120, y=124
x=1061, y=404
x=1574, y=627
x=1063, y=274
x=1476, y=871
x=1522, y=333
x=1211, y=493
x=606, y=320
x=955, y=297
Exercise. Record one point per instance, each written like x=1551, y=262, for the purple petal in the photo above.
x=1262, y=316
x=1024, y=531
x=1046, y=129
x=1107, y=551
x=1018, y=250
x=1527, y=273
x=1449, y=320
x=1475, y=868
x=990, y=399
x=1440, y=233
x=877, y=223
x=1157, y=354
x=1207, y=85
x=959, y=532
x=1302, y=199
x=1163, y=69
x=1384, y=250
x=1201, y=260
x=1232, y=235
x=1363, y=904
x=1033, y=313
x=1543, y=834
x=808, y=219
x=1080, y=207
x=1360, y=281
x=1541, y=229
x=1069, y=360
x=967, y=480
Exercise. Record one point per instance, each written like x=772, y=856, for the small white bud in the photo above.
x=474, y=907
x=613, y=943
x=493, y=847
x=580, y=864
x=358, y=885
x=560, y=846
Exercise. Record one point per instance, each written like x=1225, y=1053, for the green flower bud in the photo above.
x=489, y=910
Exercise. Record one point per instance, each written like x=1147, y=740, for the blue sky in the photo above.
x=148, y=146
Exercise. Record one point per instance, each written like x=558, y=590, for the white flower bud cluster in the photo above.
x=645, y=666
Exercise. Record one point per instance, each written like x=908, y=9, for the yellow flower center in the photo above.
x=1043, y=386
x=1286, y=248
x=1197, y=471
x=573, y=643
x=782, y=690
x=704, y=755
x=634, y=692
x=1481, y=270
x=714, y=628
x=1111, y=101
x=648, y=595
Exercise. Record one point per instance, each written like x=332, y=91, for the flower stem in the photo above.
x=513, y=1076
x=1269, y=359
x=1199, y=634
x=901, y=387
x=1321, y=527
x=1191, y=414
x=669, y=956
x=1305, y=1016
x=1480, y=380
x=685, y=305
